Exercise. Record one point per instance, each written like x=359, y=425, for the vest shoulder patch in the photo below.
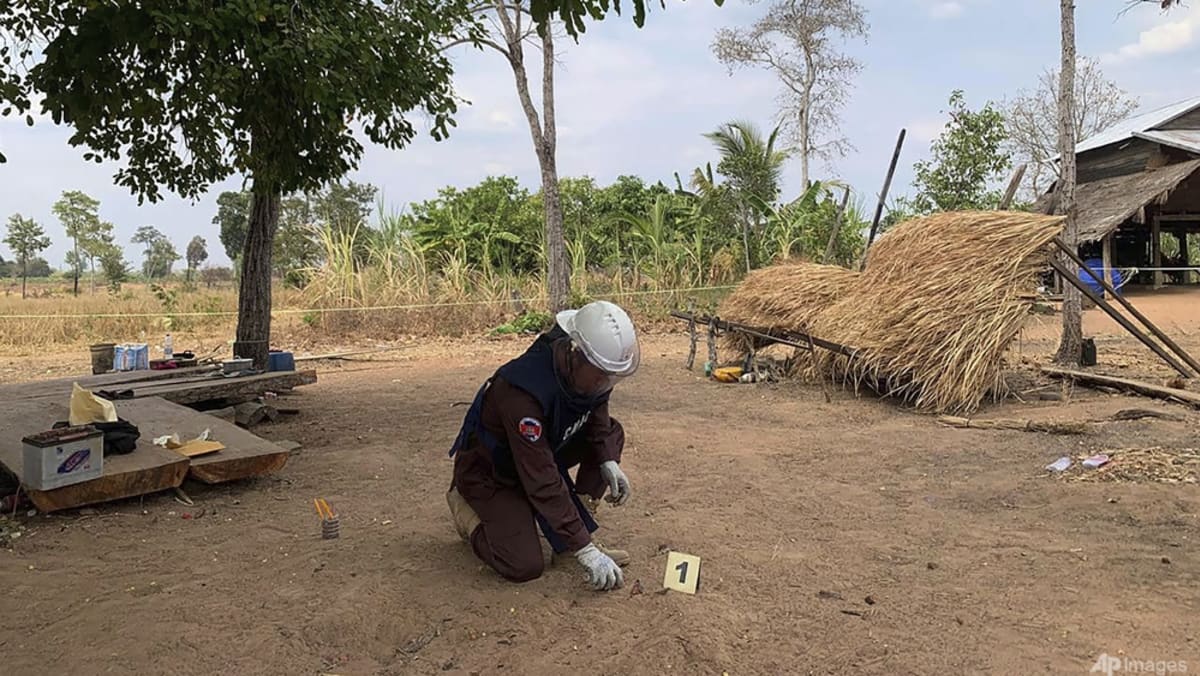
x=530, y=429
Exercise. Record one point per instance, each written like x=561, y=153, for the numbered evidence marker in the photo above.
x=683, y=572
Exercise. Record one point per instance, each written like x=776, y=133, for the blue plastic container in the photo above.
x=1097, y=266
x=279, y=360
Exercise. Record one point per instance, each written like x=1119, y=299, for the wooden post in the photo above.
x=712, y=344
x=1156, y=249
x=887, y=185
x=691, y=358
x=831, y=247
x=1106, y=245
x=1187, y=258
x=1013, y=183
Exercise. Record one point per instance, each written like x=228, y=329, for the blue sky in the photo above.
x=637, y=102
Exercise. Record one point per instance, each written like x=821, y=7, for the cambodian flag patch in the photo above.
x=530, y=428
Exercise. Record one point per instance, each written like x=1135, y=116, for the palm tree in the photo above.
x=753, y=169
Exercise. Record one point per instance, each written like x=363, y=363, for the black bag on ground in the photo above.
x=120, y=437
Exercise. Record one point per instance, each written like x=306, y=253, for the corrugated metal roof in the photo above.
x=1184, y=139
x=1124, y=130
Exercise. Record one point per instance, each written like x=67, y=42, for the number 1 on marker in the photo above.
x=683, y=572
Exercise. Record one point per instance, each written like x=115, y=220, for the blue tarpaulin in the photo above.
x=1097, y=266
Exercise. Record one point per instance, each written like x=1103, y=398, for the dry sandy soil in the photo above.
x=848, y=536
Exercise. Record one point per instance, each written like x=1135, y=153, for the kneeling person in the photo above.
x=538, y=416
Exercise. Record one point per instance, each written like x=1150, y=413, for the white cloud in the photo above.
x=946, y=10
x=1176, y=34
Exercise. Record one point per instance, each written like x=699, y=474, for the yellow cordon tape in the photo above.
x=371, y=308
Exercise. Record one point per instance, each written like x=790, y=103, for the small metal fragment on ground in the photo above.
x=831, y=595
x=416, y=644
x=182, y=498
x=870, y=600
x=856, y=613
x=636, y=589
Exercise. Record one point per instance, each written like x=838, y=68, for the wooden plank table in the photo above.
x=148, y=469
x=240, y=387
x=245, y=454
x=105, y=381
x=187, y=386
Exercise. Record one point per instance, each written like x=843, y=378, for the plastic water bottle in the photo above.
x=168, y=347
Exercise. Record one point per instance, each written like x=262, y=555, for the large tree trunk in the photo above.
x=558, y=274
x=254, y=292
x=24, y=277
x=557, y=268
x=545, y=140
x=1070, y=347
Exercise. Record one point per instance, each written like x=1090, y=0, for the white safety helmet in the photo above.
x=605, y=335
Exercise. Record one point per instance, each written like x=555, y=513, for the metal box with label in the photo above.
x=61, y=457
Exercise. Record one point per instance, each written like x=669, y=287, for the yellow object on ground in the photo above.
x=197, y=447
x=728, y=374
x=88, y=408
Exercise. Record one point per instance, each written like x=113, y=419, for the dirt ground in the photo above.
x=848, y=536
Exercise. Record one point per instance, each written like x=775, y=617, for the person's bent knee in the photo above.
x=522, y=572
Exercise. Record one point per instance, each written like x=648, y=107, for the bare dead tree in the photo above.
x=512, y=29
x=798, y=41
x=1163, y=4
x=1032, y=117
x=1070, y=347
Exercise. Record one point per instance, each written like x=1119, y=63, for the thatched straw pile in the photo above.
x=783, y=296
x=932, y=314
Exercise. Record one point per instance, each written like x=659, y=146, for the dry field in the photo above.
x=842, y=536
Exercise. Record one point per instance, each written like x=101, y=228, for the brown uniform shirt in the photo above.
x=504, y=409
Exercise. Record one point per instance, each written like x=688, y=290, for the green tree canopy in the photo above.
x=233, y=219
x=159, y=253
x=79, y=214
x=26, y=238
x=185, y=94
x=197, y=253
x=965, y=163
